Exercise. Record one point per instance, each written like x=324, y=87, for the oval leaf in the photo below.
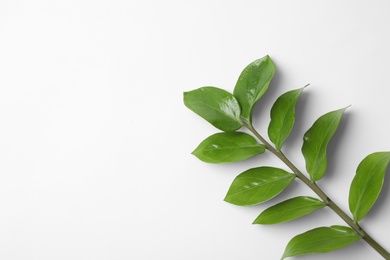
x=252, y=84
x=283, y=117
x=321, y=240
x=367, y=183
x=316, y=140
x=257, y=185
x=217, y=106
x=228, y=147
x=289, y=210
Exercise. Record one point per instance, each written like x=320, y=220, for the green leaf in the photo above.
x=217, y=106
x=283, y=117
x=257, y=185
x=228, y=147
x=289, y=210
x=367, y=183
x=316, y=140
x=252, y=84
x=321, y=240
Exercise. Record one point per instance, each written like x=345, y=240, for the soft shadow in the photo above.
x=300, y=115
x=333, y=151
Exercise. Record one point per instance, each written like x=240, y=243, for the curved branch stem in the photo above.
x=312, y=185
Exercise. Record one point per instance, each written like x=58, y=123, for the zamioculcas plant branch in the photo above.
x=230, y=112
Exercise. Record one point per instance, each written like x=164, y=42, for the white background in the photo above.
x=95, y=141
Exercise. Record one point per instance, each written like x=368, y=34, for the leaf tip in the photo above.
x=185, y=98
x=226, y=199
x=342, y=110
x=198, y=154
x=256, y=221
x=194, y=153
x=267, y=56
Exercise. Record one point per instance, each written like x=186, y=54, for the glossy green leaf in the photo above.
x=257, y=185
x=217, y=106
x=283, y=117
x=367, y=183
x=289, y=210
x=321, y=240
x=252, y=84
x=316, y=140
x=228, y=147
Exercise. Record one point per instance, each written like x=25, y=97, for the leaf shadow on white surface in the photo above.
x=263, y=106
x=334, y=151
x=295, y=139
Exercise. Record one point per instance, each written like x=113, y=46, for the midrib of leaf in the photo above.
x=361, y=192
x=257, y=186
x=290, y=104
x=269, y=188
x=261, y=93
x=314, y=242
x=322, y=146
x=233, y=147
x=284, y=211
x=219, y=111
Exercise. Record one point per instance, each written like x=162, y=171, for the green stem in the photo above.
x=312, y=185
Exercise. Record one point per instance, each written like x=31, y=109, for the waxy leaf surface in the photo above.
x=257, y=185
x=217, y=106
x=283, y=117
x=252, y=84
x=367, y=183
x=316, y=140
x=228, y=147
x=289, y=210
x=320, y=240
